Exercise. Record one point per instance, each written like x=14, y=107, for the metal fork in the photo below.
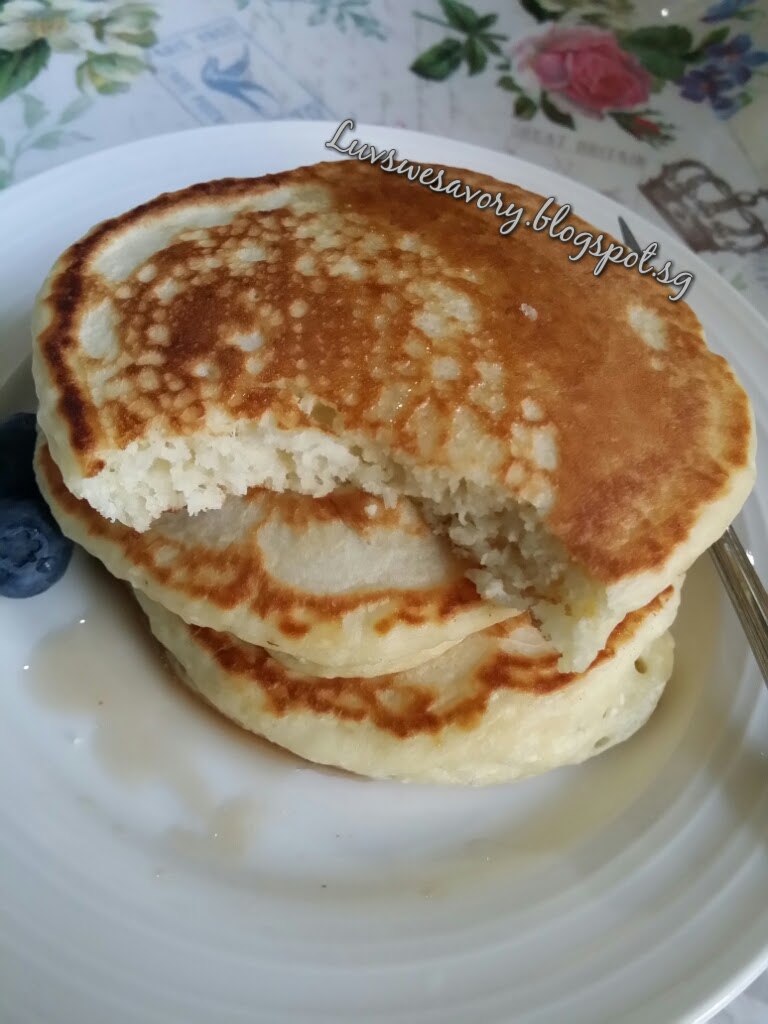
x=747, y=593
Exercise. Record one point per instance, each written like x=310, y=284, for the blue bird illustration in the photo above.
x=234, y=80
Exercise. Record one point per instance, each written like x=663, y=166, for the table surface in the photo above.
x=663, y=108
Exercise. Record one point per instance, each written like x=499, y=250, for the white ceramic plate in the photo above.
x=158, y=865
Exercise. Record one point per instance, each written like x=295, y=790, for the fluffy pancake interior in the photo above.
x=492, y=709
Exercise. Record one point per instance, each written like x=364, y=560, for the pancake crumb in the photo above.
x=529, y=311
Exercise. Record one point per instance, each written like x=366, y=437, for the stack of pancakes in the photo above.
x=400, y=493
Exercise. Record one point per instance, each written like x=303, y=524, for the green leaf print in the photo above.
x=525, y=108
x=108, y=73
x=33, y=110
x=662, y=50
x=476, y=56
x=554, y=113
x=540, y=13
x=439, y=61
x=75, y=109
x=489, y=42
x=19, y=67
x=460, y=16
x=507, y=82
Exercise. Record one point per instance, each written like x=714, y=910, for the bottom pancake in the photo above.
x=492, y=709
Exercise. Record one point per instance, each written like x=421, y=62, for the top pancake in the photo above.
x=336, y=323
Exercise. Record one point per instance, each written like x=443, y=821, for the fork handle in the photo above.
x=747, y=593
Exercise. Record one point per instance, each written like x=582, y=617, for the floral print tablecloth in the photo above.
x=662, y=107
x=661, y=104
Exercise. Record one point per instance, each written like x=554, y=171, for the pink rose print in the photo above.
x=586, y=66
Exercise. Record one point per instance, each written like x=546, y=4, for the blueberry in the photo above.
x=33, y=551
x=17, y=447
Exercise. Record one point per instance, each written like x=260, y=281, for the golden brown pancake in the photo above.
x=342, y=584
x=335, y=324
x=492, y=709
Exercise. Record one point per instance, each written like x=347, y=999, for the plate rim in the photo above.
x=716, y=998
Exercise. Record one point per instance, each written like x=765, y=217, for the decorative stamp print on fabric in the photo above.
x=219, y=73
x=706, y=211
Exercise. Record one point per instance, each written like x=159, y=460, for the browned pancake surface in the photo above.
x=406, y=704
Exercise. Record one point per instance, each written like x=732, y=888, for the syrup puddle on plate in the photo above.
x=227, y=833
x=143, y=728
